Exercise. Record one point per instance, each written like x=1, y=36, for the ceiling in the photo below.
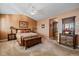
x=37, y=11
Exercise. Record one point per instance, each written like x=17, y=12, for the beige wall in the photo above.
x=8, y=20
x=43, y=31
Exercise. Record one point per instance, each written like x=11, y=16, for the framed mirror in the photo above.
x=68, y=26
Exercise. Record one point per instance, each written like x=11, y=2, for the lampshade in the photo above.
x=11, y=27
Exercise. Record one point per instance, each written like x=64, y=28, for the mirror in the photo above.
x=68, y=25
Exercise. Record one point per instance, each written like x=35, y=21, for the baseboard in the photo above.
x=2, y=40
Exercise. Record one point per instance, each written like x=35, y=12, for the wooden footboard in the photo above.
x=31, y=42
x=28, y=42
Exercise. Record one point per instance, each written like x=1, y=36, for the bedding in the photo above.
x=30, y=34
x=20, y=35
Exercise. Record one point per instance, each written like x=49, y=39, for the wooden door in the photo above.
x=55, y=31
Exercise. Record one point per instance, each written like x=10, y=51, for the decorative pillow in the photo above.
x=25, y=30
x=19, y=31
x=22, y=31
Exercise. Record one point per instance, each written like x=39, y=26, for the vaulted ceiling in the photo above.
x=37, y=10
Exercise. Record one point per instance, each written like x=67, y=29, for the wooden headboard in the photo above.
x=23, y=30
x=15, y=30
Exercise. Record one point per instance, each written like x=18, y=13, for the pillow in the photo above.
x=18, y=31
x=22, y=31
x=25, y=30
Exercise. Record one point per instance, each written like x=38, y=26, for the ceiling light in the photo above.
x=33, y=12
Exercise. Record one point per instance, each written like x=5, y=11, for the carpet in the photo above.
x=47, y=48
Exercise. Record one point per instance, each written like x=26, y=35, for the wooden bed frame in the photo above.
x=28, y=42
x=21, y=44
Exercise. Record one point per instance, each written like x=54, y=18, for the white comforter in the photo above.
x=19, y=35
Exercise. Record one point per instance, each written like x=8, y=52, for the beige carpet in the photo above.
x=47, y=48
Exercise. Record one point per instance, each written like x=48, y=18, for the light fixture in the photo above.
x=33, y=12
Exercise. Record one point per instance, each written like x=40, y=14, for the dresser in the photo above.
x=68, y=40
x=68, y=36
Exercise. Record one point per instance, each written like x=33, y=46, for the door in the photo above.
x=0, y=29
x=55, y=31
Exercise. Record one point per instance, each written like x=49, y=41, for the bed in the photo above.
x=24, y=34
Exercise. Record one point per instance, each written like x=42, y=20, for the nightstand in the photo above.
x=11, y=36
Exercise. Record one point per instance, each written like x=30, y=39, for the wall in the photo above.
x=8, y=20
x=43, y=31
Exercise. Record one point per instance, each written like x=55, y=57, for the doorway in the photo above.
x=55, y=30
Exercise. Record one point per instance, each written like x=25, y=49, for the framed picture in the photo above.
x=42, y=25
x=23, y=24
